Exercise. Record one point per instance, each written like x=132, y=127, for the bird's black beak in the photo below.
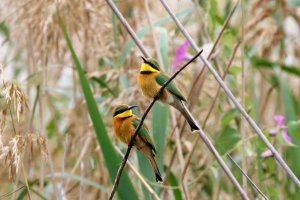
x=144, y=59
x=131, y=107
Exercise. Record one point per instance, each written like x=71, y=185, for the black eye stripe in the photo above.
x=120, y=111
x=152, y=65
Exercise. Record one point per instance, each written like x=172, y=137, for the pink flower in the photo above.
x=279, y=120
x=266, y=154
x=286, y=136
x=280, y=127
x=181, y=55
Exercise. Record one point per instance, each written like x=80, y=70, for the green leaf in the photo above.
x=75, y=177
x=235, y=70
x=147, y=171
x=227, y=139
x=293, y=128
x=4, y=30
x=112, y=160
x=229, y=116
x=259, y=62
x=294, y=2
x=163, y=47
x=160, y=116
x=103, y=84
x=174, y=183
x=290, y=106
x=24, y=192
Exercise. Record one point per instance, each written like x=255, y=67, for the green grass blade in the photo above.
x=259, y=62
x=103, y=84
x=146, y=170
x=290, y=106
x=112, y=160
x=23, y=193
x=75, y=177
x=160, y=127
x=227, y=139
x=163, y=47
x=174, y=183
x=256, y=118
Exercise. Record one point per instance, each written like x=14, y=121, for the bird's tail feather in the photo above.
x=155, y=169
x=188, y=116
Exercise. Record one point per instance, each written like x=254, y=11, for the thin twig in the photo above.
x=248, y=178
x=10, y=193
x=233, y=99
x=243, y=128
x=130, y=145
x=34, y=105
x=25, y=179
x=143, y=181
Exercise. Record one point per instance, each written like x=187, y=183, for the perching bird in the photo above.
x=125, y=123
x=151, y=78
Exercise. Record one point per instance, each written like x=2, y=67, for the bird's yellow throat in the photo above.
x=146, y=68
x=127, y=113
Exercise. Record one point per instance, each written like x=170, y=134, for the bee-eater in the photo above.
x=125, y=123
x=151, y=78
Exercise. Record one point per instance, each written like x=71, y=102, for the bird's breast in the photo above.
x=123, y=129
x=150, y=87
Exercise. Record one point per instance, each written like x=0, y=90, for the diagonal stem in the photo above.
x=233, y=99
x=212, y=105
x=130, y=145
x=248, y=178
x=128, y=28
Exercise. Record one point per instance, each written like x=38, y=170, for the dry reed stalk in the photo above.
x=33, y=17
x=260, y=17
x=13, y=152
x=243, y=127
x=180, y=153
x=14, y=98
x=150, y=22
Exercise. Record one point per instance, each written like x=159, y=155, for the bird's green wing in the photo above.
x=144, y=133
x=161, y=78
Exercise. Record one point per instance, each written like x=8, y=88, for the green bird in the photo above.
x=151, y=78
